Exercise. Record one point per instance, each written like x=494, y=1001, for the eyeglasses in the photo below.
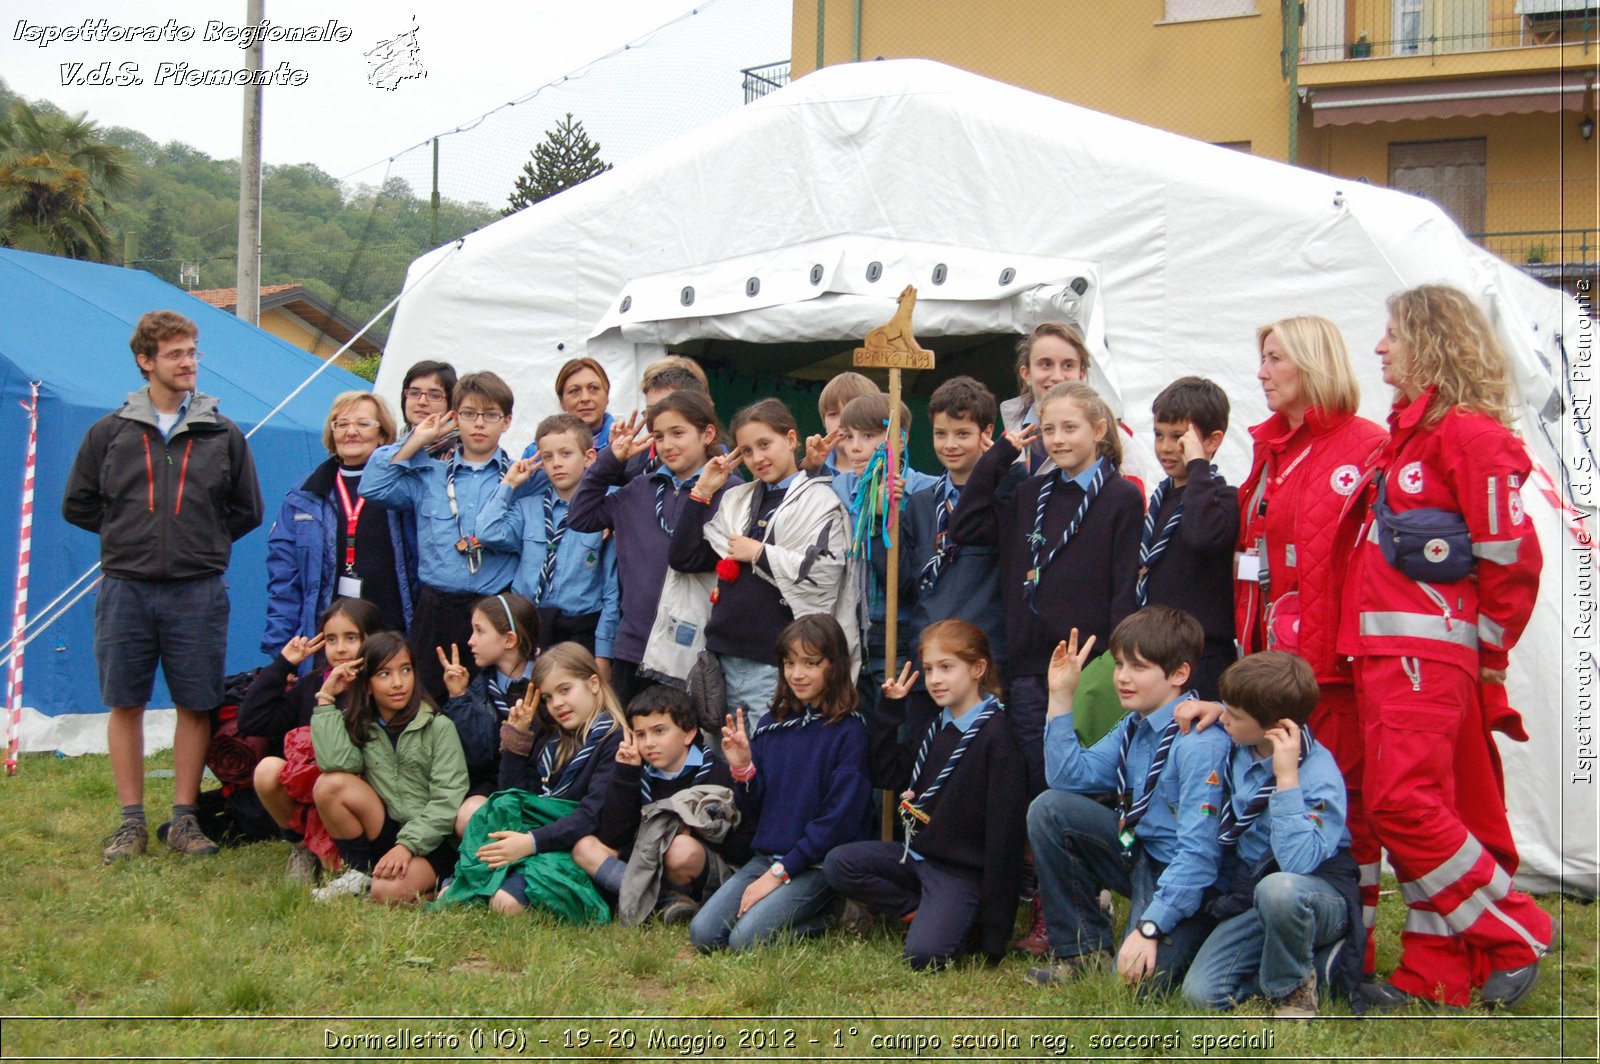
x=433, y=396
x=360, y=424
x=488, y=417
x=180, y=356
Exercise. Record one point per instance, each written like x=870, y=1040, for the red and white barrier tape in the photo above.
x=19, y=614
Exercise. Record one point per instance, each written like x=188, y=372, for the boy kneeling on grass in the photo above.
x=1290, y=908
x=1158, y=845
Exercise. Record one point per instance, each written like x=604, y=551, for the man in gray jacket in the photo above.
x=168, y=484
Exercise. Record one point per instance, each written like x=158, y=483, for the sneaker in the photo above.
x=303, y=865
x=1069, y=969
x=1386, y=997
x=1037, y=940
x=1299, y=1003
x=186, y=837
x=857, y=919
x=129, y=840
x=1507, y=987
x=353, y=883
x=679, y=909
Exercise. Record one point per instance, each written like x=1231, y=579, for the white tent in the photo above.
x=801, y=217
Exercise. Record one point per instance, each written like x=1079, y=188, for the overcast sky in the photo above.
x=350, y=117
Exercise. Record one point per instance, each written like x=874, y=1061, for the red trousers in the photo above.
x=1435, y=801
x=1337, y=726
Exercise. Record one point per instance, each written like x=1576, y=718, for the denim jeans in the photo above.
x=1267, y=950
x=1076, y=852
x=750, y=685
x=803, y=906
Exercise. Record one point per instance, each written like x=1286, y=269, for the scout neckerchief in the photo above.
x=569, y=775
x=1152, y=545
x=805, y=719
x=553, y=534
x=701, y=772
x=946, y=496
x=502, y=697
x=467, y=545
x=352, y=518
x=1230, y=828
x=1042, y=560
x=664, y=479
x=1129, y=815
x=913, y=806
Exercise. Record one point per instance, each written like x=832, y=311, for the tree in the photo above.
x=57, y=177
x=566, y=158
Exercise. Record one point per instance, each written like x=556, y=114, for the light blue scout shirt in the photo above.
x=420, y=484
x=691, y=763
x=845, y=481
x=585, y=576
x=1083, y=479
x=1179, y=827
x=1304, y=825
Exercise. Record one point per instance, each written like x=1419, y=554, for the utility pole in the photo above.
x=249, y=269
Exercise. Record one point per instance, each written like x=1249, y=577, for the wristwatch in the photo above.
x=777, y=871
x=1150, y=929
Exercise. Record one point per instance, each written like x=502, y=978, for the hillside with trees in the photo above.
x=172, y=204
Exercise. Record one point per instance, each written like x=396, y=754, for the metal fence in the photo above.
x=1337, y=30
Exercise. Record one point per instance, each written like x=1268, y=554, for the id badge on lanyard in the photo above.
x=349, y=584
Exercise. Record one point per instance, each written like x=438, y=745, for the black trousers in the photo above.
x=440, y=619
x=945, y=903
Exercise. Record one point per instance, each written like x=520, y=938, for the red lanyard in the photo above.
x=351, y=519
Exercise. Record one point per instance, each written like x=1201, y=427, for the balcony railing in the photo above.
x=760, y=80
x=1335, y=30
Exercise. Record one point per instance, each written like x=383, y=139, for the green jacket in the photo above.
x=422, y=779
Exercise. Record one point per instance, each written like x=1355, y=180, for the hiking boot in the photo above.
x=352, y=884
x=186, y=837
x=1299, y=1003
x=679, y=909
x=303, y=865
x=1386, y=997
x=131, y=839
x=857, y=919
x=1069, y=969
x=1507, y=987
x=1037, y=940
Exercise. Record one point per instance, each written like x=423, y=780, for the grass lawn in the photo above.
x=217, y=958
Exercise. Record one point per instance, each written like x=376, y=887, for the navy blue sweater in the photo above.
x=1195, y=572
x=749, y=612
x=980, y=812
x=968, y=588
x=810, y=792
x=1090, y=584
x=589, y=790
x=630, y=514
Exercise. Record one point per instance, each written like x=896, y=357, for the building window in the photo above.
x=1195, y=10
x=1451, y=173
x=1407, y=27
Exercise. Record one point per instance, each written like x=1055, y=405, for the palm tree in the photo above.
x=56, y=180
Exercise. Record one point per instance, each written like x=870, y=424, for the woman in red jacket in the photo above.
x=1309, y=458
x=1442, y=584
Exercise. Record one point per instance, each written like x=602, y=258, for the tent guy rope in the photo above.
x=24, y=632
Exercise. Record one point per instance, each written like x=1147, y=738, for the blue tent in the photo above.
x=67, y=324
